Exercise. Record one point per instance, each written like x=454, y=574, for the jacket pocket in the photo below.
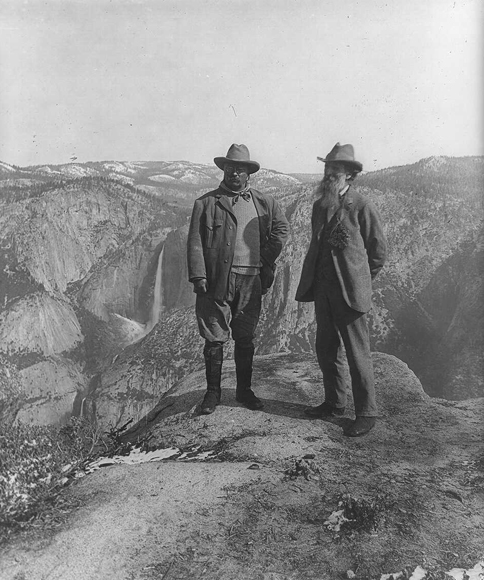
x=212, y=233
x=267, y=275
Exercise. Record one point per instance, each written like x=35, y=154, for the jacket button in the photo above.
x=225, y=261
x=228, y=243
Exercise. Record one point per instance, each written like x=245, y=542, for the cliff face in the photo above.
x=39, y=323
x=143, y=372
x=452, y=364
x=12, y=397
x=92, y=266
x=51, y=388
x=72, y=252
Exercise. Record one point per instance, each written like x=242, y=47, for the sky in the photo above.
x=162, y=80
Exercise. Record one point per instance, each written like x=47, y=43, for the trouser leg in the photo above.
x=246, y=308
x=356, y=339
x=244, y=356
x=213, y=355
x=353, y=328
x=329, y=351
x=213, y=322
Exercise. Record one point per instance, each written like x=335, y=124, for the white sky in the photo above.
x=183, y=79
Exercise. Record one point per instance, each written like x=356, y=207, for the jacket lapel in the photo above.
x=262, y=210
x=319, y=223
x=225, y=202
x=348, y=200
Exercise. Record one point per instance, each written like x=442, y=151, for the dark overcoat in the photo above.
x=359, y=262
x=211, y=239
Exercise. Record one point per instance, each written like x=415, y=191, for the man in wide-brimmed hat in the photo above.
x=236, y=233
x=346, y=252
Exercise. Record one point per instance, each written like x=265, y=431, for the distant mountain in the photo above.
x=307, y=177
x=173, y=180
x=6, y=168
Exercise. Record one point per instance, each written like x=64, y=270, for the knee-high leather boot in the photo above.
x=213, y=354
x=244, y=356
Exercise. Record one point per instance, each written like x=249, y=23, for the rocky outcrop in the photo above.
x=452, y=360
x=268, y=503
x=177, y=292
x=35, y=332
x=63, y=233
x=11, y=392
x=287, y=383
x=50, y=389
x=39, y=323
x=138, y=376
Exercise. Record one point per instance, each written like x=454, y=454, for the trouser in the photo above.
x=338, y=325
x=237, y=315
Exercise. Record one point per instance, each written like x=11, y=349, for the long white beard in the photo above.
x=328, y=190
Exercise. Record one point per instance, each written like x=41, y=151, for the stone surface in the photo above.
x=50, y=389
x=39, y=323
x=258, y=508
x=11, y=392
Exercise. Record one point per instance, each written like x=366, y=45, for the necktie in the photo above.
x=244, y=194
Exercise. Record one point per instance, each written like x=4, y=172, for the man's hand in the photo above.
x=200, y=286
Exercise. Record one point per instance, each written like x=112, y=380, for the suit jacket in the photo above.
x=211, y=239
x=359, y=262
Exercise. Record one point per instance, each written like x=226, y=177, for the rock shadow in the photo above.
x=188, y=404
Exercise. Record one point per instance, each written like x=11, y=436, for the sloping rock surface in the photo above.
x=260, y=507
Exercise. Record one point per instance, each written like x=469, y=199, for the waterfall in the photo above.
x=157, y=295
x=131, y=331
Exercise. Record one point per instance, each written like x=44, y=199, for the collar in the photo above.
x=234, y=193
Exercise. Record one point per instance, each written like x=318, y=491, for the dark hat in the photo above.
x=237, y=154
x=342, y=154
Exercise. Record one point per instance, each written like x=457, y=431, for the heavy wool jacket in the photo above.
x=359, y=262
x=211, y=239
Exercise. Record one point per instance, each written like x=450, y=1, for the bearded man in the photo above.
x=346, y=252
x=235, y=235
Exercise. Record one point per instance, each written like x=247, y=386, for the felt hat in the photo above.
x=237, y=154
x=342, y=154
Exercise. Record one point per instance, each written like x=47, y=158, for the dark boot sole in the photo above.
x=210, y=403
x=320, y=415
x=252, y=406
x=358, y=432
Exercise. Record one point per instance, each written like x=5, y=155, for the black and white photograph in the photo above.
x=241, y=290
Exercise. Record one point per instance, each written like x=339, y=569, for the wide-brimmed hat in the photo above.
x=237, y=154
x=342, y=154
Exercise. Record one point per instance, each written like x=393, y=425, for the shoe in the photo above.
x=249, y=400
x=210, y=401
x=324, y=410
x=360, y=426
